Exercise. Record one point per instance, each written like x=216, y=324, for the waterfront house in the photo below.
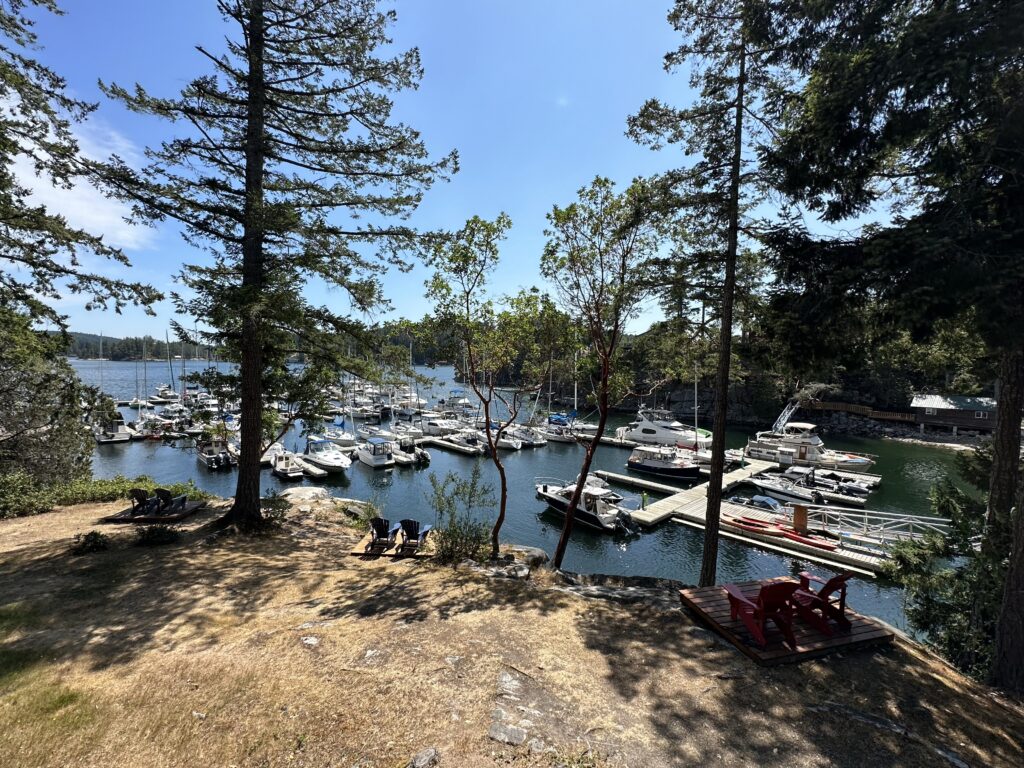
x=955, y=411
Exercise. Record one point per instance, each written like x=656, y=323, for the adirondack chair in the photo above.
x=382, y=534
x=166, y=499
x=413, y=536
x=828, y=603
x=772, y=604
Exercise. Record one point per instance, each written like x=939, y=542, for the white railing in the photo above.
x=885, y=527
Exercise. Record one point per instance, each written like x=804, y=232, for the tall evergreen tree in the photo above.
x=732, y=68
x=40, y=251
x=289, y=169
x=918, y=108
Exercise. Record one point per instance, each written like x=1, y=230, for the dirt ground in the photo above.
x=286, y=650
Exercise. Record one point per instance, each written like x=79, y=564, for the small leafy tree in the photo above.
x=597, y=257
x=500, y=347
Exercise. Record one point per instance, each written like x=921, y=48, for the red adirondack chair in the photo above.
x=772, y=604
x=828, y=603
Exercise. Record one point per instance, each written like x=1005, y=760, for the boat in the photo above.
x=406, y=430
x=285, y=466
x=340, y=437
x=664, y=461
x=376, y=452
x=439, y=425
x=766, y=528
x=788, y=491
x=407, y=453
x=469, y=439
x=214, y=455
x=555, y=433
x=368, y=430
x=530, y=437
x=322, y=453
x=658, y=427
x=799, y=443
x=268, y=456
x=813, y=477
x=505, y=441
x=113, y=431
x=600, y=507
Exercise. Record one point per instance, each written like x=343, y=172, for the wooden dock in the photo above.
x=447, y=445
x=636, y=482
x=662, y=510
x=711, y=606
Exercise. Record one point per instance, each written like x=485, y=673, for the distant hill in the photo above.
x=86, y=346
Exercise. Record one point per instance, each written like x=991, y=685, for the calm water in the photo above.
x=670, y=550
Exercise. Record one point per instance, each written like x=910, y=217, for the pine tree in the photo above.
x=915, y=110
x=289, y=169
x=740, y=89
x=41, y=252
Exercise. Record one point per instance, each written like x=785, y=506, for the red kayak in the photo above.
x=778, y=529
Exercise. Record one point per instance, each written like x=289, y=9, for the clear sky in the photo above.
x=534, y=95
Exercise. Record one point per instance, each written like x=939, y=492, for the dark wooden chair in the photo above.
x=827, y=604
x=772, y=604
x=139, y=498
x=166, y=499
x=382, y=535
x=413, y=536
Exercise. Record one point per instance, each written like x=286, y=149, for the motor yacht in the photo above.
x=655, y=427
x=799, y=443
x=664, y=461
x=376, y=452
x=322, y=453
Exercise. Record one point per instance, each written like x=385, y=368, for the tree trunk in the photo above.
x=709, y=564
x=1005, y=530
x=588, y=458
x=1005, y=455
x=246, y=512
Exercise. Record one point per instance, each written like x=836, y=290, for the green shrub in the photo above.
x=93, y=541
x=94, y=491
x=21, y=495
x=155, y=535
x=458, y=533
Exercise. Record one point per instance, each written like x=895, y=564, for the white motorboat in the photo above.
x=799, y=443
x=504, y=441
x=469, y=439
x=654, y=427
x=323, y=453
x=555, y=433
x=600, y=507
x=285, y=466
x=267, y=459
x=214, y=455
x=530, y=437
x=114, y=431
x=368, y=430
x=406, y=430
x=438, y=425
x=377, y=453
x=664, y=461
x=827, y=480
x=340, y=437
x=407, y=453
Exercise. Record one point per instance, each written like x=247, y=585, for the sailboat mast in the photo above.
x=170, y=369
x=101, y=361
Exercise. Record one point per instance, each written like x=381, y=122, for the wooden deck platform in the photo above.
x=359, y=550
x=711, y=606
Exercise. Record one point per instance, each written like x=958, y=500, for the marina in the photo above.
x=670, y=551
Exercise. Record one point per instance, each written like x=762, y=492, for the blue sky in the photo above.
x=534, y=95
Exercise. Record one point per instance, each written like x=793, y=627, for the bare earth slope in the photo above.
x=286, y=650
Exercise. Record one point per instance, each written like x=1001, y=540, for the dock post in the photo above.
x=800, y=519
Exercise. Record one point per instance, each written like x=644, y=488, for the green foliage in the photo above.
x=45, y=251
x=94, y=491
x=458, y=532
x=87, y=543
x=953, y=590
x=274, y=507
x=21, y=495
x=156, y=535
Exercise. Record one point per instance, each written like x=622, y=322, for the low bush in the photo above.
x=94, y=491
x=155, y=535
x=20, y=495
x=459, y=534
x=93, y=541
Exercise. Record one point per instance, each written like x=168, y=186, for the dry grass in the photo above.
x=288, y=651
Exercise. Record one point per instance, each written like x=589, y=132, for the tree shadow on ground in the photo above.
x=408, y=590
x=110, y=606
x=707, y=703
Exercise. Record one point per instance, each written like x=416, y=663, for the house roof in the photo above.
x=954, y=402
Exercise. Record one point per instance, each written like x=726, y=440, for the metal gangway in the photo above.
x=882, y=528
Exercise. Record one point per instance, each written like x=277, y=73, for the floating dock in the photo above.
x=448, y=446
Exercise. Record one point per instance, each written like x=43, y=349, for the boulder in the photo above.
x=302, y=494
x=507, y=734
x=532, y=556
x=426, y=758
